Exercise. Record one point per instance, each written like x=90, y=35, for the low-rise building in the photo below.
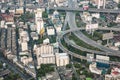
x=62, y=59
x=2, y=23
x=94, y=69
x=115, y=74
x=58, y=28
x=50, y=30
x=25, y=60
x=46, y=41
x=32, y=27
x=7, y=17
x=23, y=53
x=96, y=15
x=117, y=44
x=34, y=35
x=91, y=26
x=19, y=11
x=118, y=19
x=114, y=48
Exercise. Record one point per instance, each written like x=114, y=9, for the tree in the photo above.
x=26, y=16
x=118, y=5
x=77, y=65
x=12, y=76
x=68, y=65
x=1, y=66
x=44, y=15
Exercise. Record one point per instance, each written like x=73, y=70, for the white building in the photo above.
x=25, y=60
x=39, y=21
x=46, y=41
x=118, y=19
x=34, y=35
x=90, y=57
x=2, y=24
x=117, y=1
x=24, y=46
x=32, y=27
x=117, y=44
x=96, y=15
x=102, y=59
x=50, y=30
x=62, y=59
x=45, y=54
x=100, y=3
x=58, y=28
x=94, y=69
x=23, y=53
x=23, y=36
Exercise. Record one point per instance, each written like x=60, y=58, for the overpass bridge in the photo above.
x=80, y=9
x=61, y=35
x=73, y=9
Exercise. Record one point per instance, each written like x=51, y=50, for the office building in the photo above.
x=45, y=54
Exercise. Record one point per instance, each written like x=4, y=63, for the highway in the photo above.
x=13, y=67
x=70, y=18
x=73, y=9
x=60, y=36
x=85, y=49
x=89, y=10
x=87, y=40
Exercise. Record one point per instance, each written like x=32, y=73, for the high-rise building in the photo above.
x=45, y=54
x=39, y=21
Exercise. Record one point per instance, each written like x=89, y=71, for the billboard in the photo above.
x=101, y=58
x=107, y=36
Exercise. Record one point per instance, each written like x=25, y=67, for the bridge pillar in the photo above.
x=104, y=2
x=71, y=57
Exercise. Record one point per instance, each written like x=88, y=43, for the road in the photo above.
x=70, y=18
x=12, y=66
x=60, y=36
x=89, y=10
x=73, y=9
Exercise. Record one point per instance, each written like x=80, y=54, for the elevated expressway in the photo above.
x=80, y=9
x=81, y=36
x=89, y=10
x=61, y=35
x=70, y=19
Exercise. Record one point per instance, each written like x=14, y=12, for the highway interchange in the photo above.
x=70, y=19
